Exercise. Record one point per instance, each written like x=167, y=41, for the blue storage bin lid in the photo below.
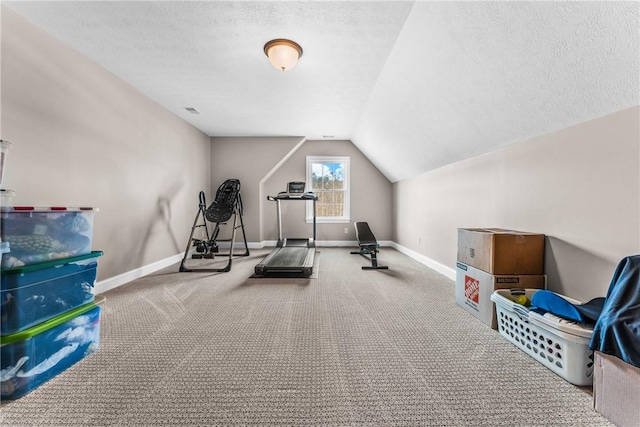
x=45, y=326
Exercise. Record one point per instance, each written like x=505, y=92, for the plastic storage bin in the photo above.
x=560, y=345
x=32, y=357
x=36, y=293
x=43, y=234
x=6, y=197
x=4, y=150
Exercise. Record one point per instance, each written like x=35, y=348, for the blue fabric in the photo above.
x=617, y=332
x=591, y=310
x=546, y=301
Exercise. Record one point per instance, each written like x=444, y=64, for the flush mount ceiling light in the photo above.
x=282, y=53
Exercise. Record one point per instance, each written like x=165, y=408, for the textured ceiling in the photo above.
x=467, y=78
x=415, y=85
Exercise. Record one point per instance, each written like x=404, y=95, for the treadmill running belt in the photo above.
x=289, y=257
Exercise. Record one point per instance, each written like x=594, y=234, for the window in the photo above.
x=328, y=177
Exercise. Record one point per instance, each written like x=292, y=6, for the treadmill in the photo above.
x=290, y=257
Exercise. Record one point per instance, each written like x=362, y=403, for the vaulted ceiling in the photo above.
x=415, y=85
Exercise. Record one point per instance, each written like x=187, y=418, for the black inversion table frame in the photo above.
x=228, y=203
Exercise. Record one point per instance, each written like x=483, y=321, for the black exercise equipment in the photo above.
x=228, y=203
x=290, y=257
x=368, y=246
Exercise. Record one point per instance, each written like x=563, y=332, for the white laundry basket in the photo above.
x=559, y=344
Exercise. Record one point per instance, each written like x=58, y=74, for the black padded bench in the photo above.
x=368, y=246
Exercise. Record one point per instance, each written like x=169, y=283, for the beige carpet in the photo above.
x=350, y=348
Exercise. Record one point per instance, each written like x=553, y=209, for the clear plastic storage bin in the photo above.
x=560, y=345
x=6, y=197
x=32, y=357
x=36, y=293
x=4, y=151
x=37, y=234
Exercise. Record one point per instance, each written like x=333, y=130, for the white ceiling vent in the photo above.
x=192, y=110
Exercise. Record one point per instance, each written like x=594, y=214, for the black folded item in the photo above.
x=617, y=331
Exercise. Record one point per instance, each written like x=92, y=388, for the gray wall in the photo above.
x=579, y=186
x=265, y=165
x=82, y=137
x=370, y=195
x=250, y=160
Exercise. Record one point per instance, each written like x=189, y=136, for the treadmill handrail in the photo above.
x=309, y=196
x=285, y=196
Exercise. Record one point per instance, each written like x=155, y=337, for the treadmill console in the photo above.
x=295, y=187
x=295, y=190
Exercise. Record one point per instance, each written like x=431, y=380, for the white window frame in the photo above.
x=347, y=183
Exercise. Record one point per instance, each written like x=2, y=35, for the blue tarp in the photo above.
x=617, y=331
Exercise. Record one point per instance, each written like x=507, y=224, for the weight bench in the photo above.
x=368, y=246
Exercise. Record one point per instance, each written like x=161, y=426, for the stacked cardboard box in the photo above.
x=495, y=258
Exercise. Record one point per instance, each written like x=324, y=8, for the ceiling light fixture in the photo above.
x=282, y=53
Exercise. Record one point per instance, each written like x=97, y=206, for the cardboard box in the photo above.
x=474, y=288
x=616, y=387
x=498, y=251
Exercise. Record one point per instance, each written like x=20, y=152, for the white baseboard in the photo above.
x=336, y=243
x=119, y=280
x=240, y=245
x=434, y=265
x=319, y=243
